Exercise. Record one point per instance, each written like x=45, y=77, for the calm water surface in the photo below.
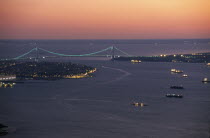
x=100, y=107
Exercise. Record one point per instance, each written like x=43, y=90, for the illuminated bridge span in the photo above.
x=110, y=52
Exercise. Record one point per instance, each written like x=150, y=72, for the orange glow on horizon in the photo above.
x=104, y=19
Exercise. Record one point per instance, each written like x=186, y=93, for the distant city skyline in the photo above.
x=104, y=19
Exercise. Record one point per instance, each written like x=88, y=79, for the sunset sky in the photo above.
x=104, y=19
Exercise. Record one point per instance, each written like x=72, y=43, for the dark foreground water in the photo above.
x=100, y=107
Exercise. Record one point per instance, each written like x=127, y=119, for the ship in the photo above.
x=174, y=95
x=173, y=70
x=184, y=75
x=139, y=104
x=205, y=80
x=177, y=87
x=135, y=61
x=176, y=71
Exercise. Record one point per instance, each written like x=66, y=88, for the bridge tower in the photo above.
x=37, y=54
x=113, y=52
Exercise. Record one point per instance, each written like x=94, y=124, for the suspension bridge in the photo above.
x=111, y=51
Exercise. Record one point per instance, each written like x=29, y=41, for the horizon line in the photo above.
x=106, y=39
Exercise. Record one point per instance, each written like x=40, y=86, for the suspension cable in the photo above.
x=18, y=57
x=75, y=55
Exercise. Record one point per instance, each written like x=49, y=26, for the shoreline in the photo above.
x=180, y=58
x=43, y=71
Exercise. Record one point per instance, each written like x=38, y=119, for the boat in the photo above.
x=136, y=61
x=184, y=75
x=174, y=95
x=177, y=87
x=173, y=70
x=139, y=104
x=176, y=71
x=205, y=80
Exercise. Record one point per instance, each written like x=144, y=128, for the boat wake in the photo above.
x=125, y=74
